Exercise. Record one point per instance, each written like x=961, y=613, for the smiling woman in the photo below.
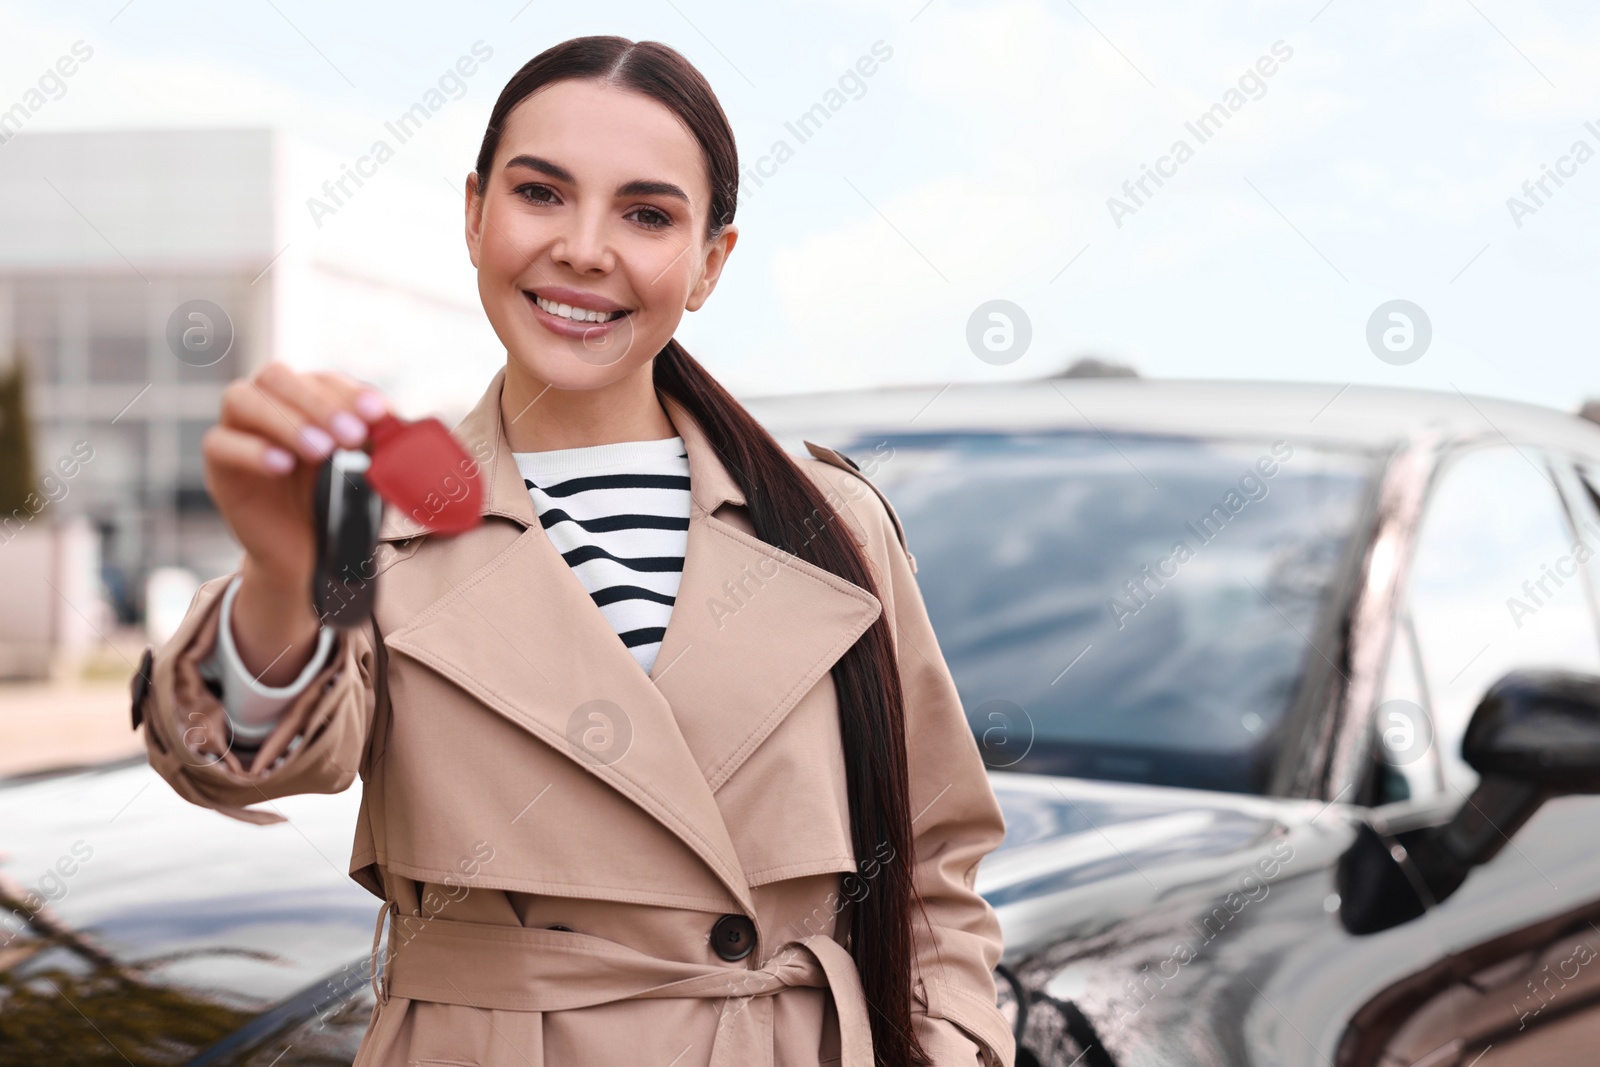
x=700, y=824
x=591, y=245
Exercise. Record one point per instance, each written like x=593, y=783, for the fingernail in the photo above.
x=277, y=460
x=350, y=430
x=370, y=404
x=316, y=439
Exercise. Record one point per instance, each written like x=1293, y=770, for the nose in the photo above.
x=584, y=244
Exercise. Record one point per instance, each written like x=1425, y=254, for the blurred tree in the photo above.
x=66, y=998
x=16, y=437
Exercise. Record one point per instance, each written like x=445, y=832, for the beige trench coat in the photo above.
x=567, y=847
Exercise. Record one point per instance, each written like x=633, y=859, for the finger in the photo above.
x=325, y=406
x=230, y=449
x=248, y=406
x=362, y=398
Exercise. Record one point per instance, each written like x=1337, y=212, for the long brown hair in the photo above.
x=789, y=511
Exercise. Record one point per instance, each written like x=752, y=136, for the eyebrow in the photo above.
x=637, y=187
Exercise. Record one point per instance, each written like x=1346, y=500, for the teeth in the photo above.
x=567, y=311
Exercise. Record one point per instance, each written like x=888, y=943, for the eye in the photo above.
x=530, y=193
x=652, y=218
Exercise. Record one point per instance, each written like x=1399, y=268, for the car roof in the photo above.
x=1330, y=413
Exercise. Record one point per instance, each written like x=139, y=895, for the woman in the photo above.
x=747, y=830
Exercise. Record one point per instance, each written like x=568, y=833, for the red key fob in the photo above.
x=421, y=469
x=418, y=467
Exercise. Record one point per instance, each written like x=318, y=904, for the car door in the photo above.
x=1502, y=577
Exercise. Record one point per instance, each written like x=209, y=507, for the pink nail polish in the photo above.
x=277, y=460
x=316, y=439
x=370, y=404
x=350, y=430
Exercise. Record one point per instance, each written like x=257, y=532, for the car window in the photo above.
x=1403, y=721
x=1589, y=473
x=1581, y=489
x=1124, y=607
x=1495, y=585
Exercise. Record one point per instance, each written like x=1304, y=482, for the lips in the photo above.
x=576, y=306
x=589, y=330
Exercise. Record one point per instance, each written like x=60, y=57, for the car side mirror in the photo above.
x=1533, y=736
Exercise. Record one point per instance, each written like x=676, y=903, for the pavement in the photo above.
x=73, y=720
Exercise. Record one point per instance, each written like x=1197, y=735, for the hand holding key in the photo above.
x=265, y=459
x=262, y=460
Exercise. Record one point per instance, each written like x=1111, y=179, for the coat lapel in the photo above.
x=752, y=630
x=754, y=627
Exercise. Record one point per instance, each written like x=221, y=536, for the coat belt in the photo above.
x=522, y=968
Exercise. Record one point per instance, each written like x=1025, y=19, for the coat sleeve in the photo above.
x=956, y=818
x=316, y=746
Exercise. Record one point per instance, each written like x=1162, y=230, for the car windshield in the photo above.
x=1136, y=608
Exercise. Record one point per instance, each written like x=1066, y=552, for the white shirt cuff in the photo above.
x=253, y=709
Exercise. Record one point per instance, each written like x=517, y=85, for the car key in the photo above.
x=348, y=514
x=418, y=467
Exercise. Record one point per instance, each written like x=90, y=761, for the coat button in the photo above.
x=733, y=936
x=140, y=685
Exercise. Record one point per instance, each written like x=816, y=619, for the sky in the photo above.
x=1358, y=154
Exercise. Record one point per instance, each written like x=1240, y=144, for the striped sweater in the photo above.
x=617, y=513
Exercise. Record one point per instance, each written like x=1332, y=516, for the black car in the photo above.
x=1220, y=645
x=1215, y=638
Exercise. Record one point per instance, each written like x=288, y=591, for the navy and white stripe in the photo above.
x=619, y=515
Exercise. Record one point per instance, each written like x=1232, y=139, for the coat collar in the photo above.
x=752, y=630
x=483, y=434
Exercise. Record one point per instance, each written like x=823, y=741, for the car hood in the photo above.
x=1078, y=822
x=1138, y=914
x=1080, y=855
x=126, y=868
x=204, y=921
x=148, y=912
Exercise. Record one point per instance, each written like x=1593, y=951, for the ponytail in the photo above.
x=781, y=499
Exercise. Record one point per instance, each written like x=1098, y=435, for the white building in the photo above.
x=105, y=235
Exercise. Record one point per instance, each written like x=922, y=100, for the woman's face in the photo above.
x=598, y=200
